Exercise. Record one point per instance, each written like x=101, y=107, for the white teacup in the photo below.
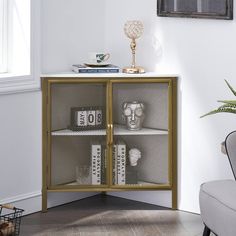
x=98, y=57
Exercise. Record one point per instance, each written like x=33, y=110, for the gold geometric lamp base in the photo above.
x=133, y=30
x=133, y=70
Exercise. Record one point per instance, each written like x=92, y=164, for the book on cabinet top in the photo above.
x=81, y=68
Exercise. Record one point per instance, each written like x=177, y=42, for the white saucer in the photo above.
x=97, y=64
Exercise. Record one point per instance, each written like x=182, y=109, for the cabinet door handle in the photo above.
x=108, y=134
x=111, y=133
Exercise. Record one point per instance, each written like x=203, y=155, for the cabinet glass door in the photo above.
x=78, y=135
x=140, y=116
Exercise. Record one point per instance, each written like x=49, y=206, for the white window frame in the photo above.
x=3, y=35
x=14, y=83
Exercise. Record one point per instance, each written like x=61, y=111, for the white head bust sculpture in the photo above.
x=133, y=113
x=134, y=156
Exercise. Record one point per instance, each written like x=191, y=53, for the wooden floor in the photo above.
x=111, y=216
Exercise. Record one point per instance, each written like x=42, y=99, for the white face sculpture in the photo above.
x=134, y=114
x=134, y=156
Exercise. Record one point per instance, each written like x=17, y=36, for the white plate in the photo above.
x=97, y=64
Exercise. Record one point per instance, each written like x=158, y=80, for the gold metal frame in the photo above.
x=172, y=136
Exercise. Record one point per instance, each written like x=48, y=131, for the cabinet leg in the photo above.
x=44, y=201
x=206, y=231
x=174, y=198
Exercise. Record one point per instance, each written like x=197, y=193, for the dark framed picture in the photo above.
x=214, y=9
x=87, y=118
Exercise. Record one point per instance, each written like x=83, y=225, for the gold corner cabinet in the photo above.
x=99, y=158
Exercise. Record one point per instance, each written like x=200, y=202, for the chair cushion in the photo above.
x=218, y=206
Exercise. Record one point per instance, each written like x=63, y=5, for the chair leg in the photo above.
x=206, y=231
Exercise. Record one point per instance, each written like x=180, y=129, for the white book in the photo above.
x=96, y=152
x=121, y=162
x=103, y=162
x=114, y=164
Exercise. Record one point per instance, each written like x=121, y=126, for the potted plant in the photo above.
x=228, y=106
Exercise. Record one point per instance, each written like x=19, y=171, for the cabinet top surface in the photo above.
x=105, y=75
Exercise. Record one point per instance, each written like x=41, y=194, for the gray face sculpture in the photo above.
x=133, y=113
x=134, y=156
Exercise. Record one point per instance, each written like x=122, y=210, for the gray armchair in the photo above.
x=218, y=199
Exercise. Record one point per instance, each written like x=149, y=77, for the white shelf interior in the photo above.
x=68, y=132
x=118, y=130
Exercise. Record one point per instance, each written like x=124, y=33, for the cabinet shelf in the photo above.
x=118, y=130
x=139, y=183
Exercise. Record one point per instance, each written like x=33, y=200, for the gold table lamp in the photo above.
x=133, y=30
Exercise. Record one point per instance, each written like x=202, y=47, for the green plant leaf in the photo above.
x=232, y=90
x=231, y=102
x=225, y=108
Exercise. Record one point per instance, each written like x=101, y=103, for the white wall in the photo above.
x=70, y=29
x=20, y=145
x=202, y=52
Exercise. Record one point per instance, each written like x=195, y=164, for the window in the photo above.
x=19, y=45
x=19, y=37
x=3, y=36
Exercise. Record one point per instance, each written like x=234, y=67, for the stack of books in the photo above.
x=99, y=165
x=81, y=68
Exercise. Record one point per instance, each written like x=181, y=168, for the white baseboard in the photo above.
x=20, y=197
x=32, y=202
